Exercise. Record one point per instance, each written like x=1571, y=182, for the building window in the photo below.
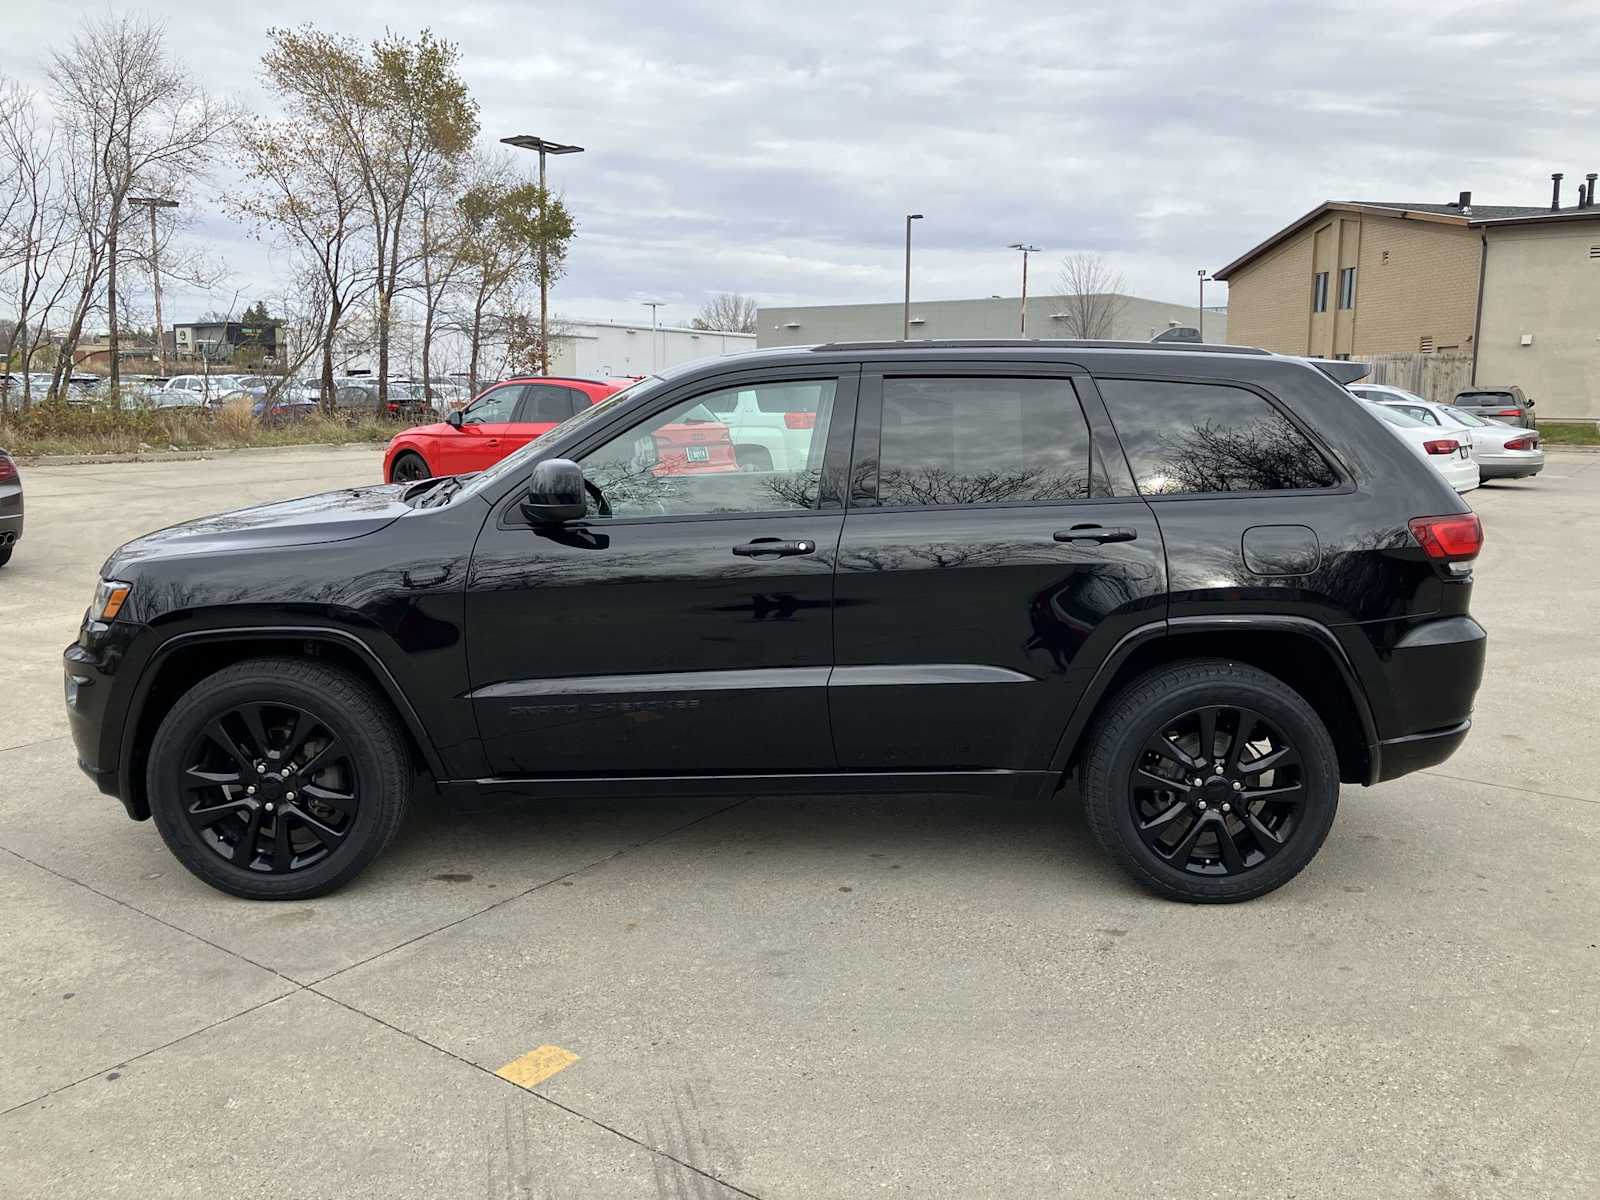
x=1319, y=292
x=1347, y=287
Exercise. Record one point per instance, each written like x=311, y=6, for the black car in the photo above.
x=1200, y=580
x=10, y=507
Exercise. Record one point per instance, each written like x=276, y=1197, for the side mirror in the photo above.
x=1530, y=401
x=454, y=419
x=555, y=493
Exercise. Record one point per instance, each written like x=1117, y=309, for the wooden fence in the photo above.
x=1436, y=377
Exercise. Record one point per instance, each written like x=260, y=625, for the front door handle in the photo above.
x=1095, y=533
x=774, y=546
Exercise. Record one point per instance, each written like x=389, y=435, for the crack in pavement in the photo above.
x=296, y=988
x=1511, y=787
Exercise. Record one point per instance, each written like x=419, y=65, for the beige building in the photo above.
x=1515, y=289
x=1353, y=278
x=1540, y=326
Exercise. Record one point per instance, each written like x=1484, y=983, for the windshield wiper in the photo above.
x=448, y=487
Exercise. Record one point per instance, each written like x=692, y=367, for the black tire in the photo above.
x=1131, y=818
x=5, y=555
x=410, y=467
x=753, y=458
x=352, y=730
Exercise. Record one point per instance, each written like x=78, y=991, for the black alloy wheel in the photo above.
x=1209, y=781
x=410, y=468
x=270, y=788
x=1217, y=791
x=279, y=778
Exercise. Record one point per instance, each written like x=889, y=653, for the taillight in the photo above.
x=393, y=408
x=1449, y=539
x=8, y=469
x=1509, y=412
x=1522, y=443
x=1441, y=446
x=800, y=420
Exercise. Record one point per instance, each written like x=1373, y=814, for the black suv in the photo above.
x=1203, y=581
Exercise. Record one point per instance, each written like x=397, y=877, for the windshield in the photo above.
x=517, y=462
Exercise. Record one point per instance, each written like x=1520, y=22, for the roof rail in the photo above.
x=1040, y=343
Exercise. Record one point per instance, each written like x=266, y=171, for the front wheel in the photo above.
x=278, y=779
x=409, y=467
x=1210, y=781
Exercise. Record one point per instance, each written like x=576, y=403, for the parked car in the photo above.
x=1180, y=575
x=511, y=414
x=1501, y=451
x=1448, y=453
x=771, y=429
x=10, y=507
x=358, y=396
x=1505, y=404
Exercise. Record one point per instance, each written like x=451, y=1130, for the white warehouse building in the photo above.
x=615, y=349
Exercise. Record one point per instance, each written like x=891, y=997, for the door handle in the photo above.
x=774, y=546
x=1095, y=533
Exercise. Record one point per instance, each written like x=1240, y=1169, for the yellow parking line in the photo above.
x=537, y=1065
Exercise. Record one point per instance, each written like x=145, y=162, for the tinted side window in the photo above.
x=544, y=403
x=1204, y=437
x=981, y=441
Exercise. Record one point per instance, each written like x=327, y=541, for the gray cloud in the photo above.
x=774, y=148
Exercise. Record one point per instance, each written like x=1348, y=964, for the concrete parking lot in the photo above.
x=809, y=998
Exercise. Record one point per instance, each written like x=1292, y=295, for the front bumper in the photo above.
x=89, y=673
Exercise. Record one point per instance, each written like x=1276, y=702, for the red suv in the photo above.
x=511, y=414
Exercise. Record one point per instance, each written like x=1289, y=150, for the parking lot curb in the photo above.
x=138, y=456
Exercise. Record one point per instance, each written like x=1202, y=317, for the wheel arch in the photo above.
x=1303, y=653
x=181, y=661
x=399, y=449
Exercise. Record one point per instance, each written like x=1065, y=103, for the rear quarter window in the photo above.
x=1186, y=438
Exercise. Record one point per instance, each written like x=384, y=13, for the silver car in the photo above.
x=10, y=507
x=1502, y=451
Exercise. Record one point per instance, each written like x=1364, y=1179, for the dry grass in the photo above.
x=55, y=428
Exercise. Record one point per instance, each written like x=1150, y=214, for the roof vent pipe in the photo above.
x=1464, y=200
x=1555, y=190
x=1583, y=195
x=1591, y=177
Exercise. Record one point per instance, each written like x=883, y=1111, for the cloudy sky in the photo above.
x=773, y=149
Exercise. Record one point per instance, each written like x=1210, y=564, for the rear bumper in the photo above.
x=1403, y=755
x=1513, y=464
x=1431, y=677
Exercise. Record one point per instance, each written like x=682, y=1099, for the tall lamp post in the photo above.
x=1200, y=314
x=1026, y=250
x=652, y=305
x=153, y=203
x=905, y=322
x=526, y=141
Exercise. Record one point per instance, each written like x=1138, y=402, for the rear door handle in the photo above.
x=1095, y=533
x=774, y=546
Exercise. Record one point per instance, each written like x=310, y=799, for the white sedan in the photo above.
x=1502, y=451
x=1447, y=453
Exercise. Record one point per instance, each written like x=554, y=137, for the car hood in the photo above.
x=328, y=517
x=437, y=429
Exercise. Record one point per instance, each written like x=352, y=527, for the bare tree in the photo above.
x=727, y=312
x=439, y=257
x=137, y=116
x=1092, y=297
x=305, y=191
x=38, y=247
x=403, y=114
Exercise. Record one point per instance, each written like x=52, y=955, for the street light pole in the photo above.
x=652, y=305
x=153, y=203
x=1200, y=314
x=905, y=323
x=526, y=141
x=1026, y=250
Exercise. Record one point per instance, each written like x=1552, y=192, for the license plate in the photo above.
x=698, y=454
x=1463, y=452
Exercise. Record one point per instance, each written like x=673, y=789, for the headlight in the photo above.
x=109, y=597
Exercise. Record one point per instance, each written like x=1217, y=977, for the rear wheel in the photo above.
x=5, y=555
x=409, y=467
x=278, y=779
x=1210, y=781
x=753, y=458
